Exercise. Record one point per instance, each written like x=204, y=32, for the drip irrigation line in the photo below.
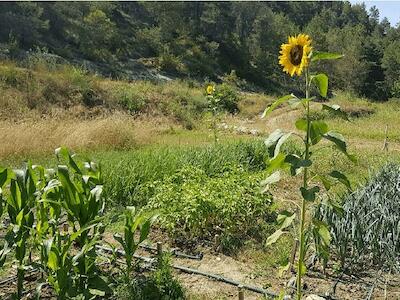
x=122, y=253
x=175, y=252
x=197, y=272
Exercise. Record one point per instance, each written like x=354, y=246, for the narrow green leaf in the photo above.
x=325, y=55
x=278, y=102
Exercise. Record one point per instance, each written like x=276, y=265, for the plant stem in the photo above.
x=303, y=204
x=215, y=126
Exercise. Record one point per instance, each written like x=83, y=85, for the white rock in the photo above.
x=314, y=297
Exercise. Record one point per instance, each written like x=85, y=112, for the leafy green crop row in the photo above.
x=126, y=173
x=58, y=214
x=197, y=207
x=366, y=231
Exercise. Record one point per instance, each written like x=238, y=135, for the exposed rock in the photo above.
x=314, y=297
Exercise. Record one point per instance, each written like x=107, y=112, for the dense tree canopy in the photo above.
x=208, y=39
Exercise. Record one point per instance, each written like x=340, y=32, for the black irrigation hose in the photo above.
x=121, y=252
x=195, y=271
x=174, y=252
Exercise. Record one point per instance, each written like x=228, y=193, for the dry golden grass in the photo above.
x=42, y=136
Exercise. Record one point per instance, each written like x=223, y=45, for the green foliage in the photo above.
x=365, y=229
x=228, y=97
x=313, y=132
x=37, y=200
x=135, y=222
x=160, y=285
x=395, y=91
x=195, y=206
x=96, y=36
x=207, y=40
x=127, y=173
x=130, y=98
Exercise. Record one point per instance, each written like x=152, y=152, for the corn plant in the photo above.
x=80, y=190
x=4, y=178
x=64, y=269
x=296, y=58
x=20, y=204
x=135, y=222
x=81, y=183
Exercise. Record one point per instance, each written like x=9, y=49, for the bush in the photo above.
x=130, y=98
x=395, y=92
x=228, y=97
x=195, y=206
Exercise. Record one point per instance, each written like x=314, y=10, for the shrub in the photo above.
x=228, y=97
x=194, y=206
x=130, y=98
x=395, y=92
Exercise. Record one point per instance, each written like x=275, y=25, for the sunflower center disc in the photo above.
x=296, y=54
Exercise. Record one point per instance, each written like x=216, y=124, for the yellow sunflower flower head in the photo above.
x=210, y=89
x=294, y=55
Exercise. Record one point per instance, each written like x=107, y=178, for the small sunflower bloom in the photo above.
x=210, y=89
x=294, y=56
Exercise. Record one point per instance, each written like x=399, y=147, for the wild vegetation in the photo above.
x=207, y=40
x=160, y=106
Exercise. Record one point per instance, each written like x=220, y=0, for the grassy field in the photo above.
x=157, y=151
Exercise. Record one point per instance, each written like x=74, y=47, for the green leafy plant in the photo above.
x=196, y=206
x=58, y=263
x=20, y=203
x=365, y=232
x=135, y=222
x=296, y=57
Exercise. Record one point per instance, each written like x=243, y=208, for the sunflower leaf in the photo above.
x=325, y=55
x=321, y=81
x=278, y=102
x=335, y=110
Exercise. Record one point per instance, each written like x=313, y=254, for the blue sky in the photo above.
x=388, y=9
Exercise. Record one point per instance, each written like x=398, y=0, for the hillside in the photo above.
x=205, y=40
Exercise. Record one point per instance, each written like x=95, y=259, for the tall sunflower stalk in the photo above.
x=296, y=57
x=213, y=106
